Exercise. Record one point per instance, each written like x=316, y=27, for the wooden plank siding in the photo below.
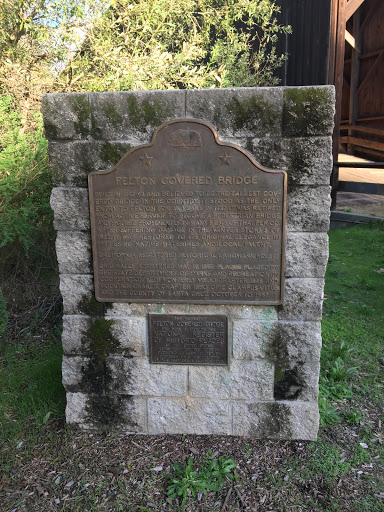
x=362, y=106
x=308, y=45
x=319, y=54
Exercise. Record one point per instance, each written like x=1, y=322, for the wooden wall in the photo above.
x=308, y=45
x=362, y=103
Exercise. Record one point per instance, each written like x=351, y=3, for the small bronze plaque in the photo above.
x=188, y=218
x=188, y=339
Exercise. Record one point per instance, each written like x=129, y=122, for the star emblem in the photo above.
x=146, y=159
x=225, y=158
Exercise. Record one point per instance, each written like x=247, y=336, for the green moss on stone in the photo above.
x=105, y=412
x=306, y=111
x=82, y=109
x=101, y=340
x=251, y=114
x=112, y=115
x=298, y=163
x=288, y=384
x=91, y=306
x=111, y=154
x=279, y=374
x=95, y=374
x=273, y=421
x=146, y=113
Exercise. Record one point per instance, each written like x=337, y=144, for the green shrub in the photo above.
x=25, y=181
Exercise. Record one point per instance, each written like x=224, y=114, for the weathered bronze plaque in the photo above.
x=188, y=218
x=188, y=339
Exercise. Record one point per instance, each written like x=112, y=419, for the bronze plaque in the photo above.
x=188, y=339
x=188, y=218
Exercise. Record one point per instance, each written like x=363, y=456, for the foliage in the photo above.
x=25, y=180
x=167, y=44
x=68, y=45
x=36, y=39
x=188, y=482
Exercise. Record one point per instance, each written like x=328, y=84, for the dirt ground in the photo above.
x=367, y=204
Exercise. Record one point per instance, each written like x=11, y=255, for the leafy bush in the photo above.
x=170, y=44
x=25, y=180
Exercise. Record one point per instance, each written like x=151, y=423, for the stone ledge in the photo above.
x=237, y=112
x=252, y=340
x=296, y=341
x=278, y=342
x=77, y=292
x=66, y=116
x=276, y=420
x=267, y=313
x=188, y=416
x=126, y=114
x=297, y=381
x=129, y=334
x=308, y=111
x=71, y=162
x=308, y=161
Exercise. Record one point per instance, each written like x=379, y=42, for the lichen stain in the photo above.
x=101, y=340
x=146, y=113
x=90, y=306
x=82, y=110
x=273, y=421
x=112, y=115
x=51, y=132
x=289, y=383
x=106, y=412
x=252, y=114
x=305, y=111
x=298, y=167
x=111, y=154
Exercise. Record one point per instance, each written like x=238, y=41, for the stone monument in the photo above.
x=192, y=245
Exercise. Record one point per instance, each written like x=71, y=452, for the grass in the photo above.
x=353, y=316
x=32, y=392
x=343, y=470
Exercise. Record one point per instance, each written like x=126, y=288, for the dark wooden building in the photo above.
x=340, y=42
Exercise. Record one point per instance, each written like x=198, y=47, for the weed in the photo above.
x=334, y=381
x=329, y=415
x=353, y=417
x=188, y=481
